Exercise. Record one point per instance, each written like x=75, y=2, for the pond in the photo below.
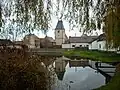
x=36, y=72
x=76, y=75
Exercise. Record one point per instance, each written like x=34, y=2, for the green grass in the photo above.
x=94, y=55
x=114, y=84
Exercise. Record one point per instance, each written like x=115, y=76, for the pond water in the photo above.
x=76, y=75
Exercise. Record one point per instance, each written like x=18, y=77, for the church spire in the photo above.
x=60, y=25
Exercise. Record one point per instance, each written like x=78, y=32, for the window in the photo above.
x=73, y=45
x=80, y=45
x=35, y=43
x=87, y=45
x=58, y=31
x=99, y=45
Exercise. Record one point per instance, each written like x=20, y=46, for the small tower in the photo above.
x=60, y=33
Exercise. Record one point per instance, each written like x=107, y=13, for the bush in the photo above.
x=19, y=71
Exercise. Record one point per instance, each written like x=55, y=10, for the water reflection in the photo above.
x=65, y=74
x=76, y=75
x=60, y=68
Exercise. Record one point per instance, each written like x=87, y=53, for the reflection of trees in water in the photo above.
x=48, y=62
x=20, y=72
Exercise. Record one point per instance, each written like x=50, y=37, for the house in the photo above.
x=5, y=42
x=19, y=44
x=102, y=43
x=8, y=43
x=84, y=41
x=47, y=42
x=32, y=41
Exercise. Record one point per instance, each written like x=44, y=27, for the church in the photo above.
x=60, y=35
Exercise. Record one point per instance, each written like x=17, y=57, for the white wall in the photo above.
x=66, y=46
x=76, y=45
x=102, y=45
x=94, y=45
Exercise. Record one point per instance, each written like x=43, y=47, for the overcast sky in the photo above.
x=67, y=30
x=53, y=23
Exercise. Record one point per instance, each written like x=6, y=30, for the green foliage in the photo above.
x=112, y=24
x=114, y=84
x=0, y=16
x=25, y=15
x=29, y=15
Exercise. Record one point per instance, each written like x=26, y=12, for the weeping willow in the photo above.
x=0, y=16
x=36, y=14
x=112, y=24
x=79, y=13
x=31, y=14
x=83, y=14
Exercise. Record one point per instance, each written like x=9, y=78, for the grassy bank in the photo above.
x=94, y=55
x=114, y=84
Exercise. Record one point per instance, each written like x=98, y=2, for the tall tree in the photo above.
x=112, y=23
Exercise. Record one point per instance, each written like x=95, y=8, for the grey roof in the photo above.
x=60, y=25
x=102, y=37
x=85, y=39
x=50, y=39
x=18, y=42
x=5, y=42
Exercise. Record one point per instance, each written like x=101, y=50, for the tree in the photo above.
x=87, y=15
x=25, y=15
x=112, y=23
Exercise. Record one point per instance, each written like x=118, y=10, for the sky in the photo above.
x=68, y=32
x=53, y=23
x=52, y=29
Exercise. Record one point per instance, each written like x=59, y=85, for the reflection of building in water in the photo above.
x=78, y=63
x=60, y=68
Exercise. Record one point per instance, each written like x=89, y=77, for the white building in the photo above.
x=92, y=42
x=102, y=44
x=83, y=41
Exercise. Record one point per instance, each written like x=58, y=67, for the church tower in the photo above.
x=60, y=35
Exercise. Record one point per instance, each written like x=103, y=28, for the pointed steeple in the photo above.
x=60, y=75
x=60, y=25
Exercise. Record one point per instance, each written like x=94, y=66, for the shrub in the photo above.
x=19, y=71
